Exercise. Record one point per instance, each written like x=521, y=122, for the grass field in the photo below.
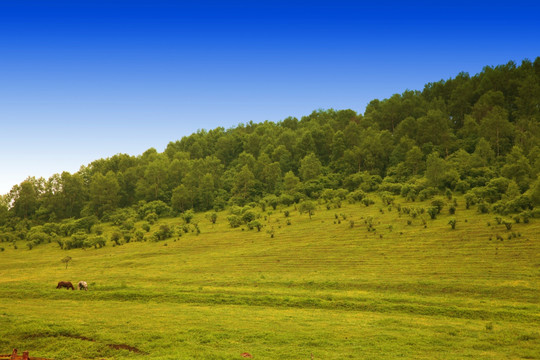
x=321, y=288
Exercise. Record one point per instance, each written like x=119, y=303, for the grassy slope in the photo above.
x=318, y=287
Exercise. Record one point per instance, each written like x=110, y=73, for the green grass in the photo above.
x=317, y=287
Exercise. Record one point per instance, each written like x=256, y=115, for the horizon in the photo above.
x=84, y=82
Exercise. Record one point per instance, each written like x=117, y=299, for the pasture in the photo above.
x=354, y=282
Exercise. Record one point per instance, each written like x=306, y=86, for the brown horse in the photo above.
x=65, y=284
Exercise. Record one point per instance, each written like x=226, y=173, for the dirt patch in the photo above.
x=125, y=347
x=84, y=338
x=79, y=337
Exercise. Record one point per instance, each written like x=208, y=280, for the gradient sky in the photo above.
x=83, y=80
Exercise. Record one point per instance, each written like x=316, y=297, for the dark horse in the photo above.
x=65, y=284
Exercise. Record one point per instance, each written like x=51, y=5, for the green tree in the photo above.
x=497, y=129
x=104, y=193
x=206, y=192
x=25, y=198
x=290, y=182
x=517, y=167
x=310, y=167
x=182, y=198
x=414, y=160
x=243, y=184
x=435, y=169
x=307, y=207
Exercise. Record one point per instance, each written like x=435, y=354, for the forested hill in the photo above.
x=476, y=135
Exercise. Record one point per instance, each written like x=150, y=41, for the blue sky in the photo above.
x=81, y=81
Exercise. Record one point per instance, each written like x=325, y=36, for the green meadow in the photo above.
x=352, y=282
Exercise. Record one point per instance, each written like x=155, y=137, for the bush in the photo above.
x=367, y=201
x=254, y=224
x=249, y=216
x=115, y=237
x=151, y=218
x=286, y=199
x=163, y=233
x=188, y=216
x=432, y=211
x=355, y=196
x=427, y=193
x=234, y=220
x=97, y=241
x=438, y=204
x=127, y=225
x=121, y=215
x=157, y=207
x=139, y=235
x=452, y=223
x=77, y=241
x=483, y=208
x=146, y=227
x=470, y=199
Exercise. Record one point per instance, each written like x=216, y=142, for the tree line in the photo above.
x=476, y=135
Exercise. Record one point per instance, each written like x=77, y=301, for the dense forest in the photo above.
x=473, y=135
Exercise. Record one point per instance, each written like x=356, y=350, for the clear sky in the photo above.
x=83, y=80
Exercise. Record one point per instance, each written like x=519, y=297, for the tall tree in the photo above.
x=497, y=129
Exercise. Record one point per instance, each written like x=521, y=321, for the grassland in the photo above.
x=321, y=288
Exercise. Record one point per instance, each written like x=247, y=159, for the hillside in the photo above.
x=471, y=134
x=356, y=282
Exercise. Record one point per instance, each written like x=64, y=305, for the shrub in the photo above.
x=452, y=223
x=427, y=193
x=121, y=215
x=115, y=237
x=470, y=199
x=526, y=215
x=127, y=225
x=127, y=236
x=254, y=224
x=508, y=224
x=213, y=217
x=355, y=196
x=234, y=220
x=286, y=199
x=483, y=208
x=77, y=241
x=151, y=218
x=438, y=204
x=432, y=211
x=248, y=216
x=164, y=232
x=188, y=216
x=367, y=201
x=146, y=227
x=157, y=207
x=452, y=209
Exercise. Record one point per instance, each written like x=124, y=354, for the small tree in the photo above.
x=452, y=223
x=213, y=217
x=307, y=206
x=66, y=260
x=255, y=224
x=432, y=211
x=188, y=215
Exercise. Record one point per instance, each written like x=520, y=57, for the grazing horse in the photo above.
x=65, y=284
x=83, y=285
